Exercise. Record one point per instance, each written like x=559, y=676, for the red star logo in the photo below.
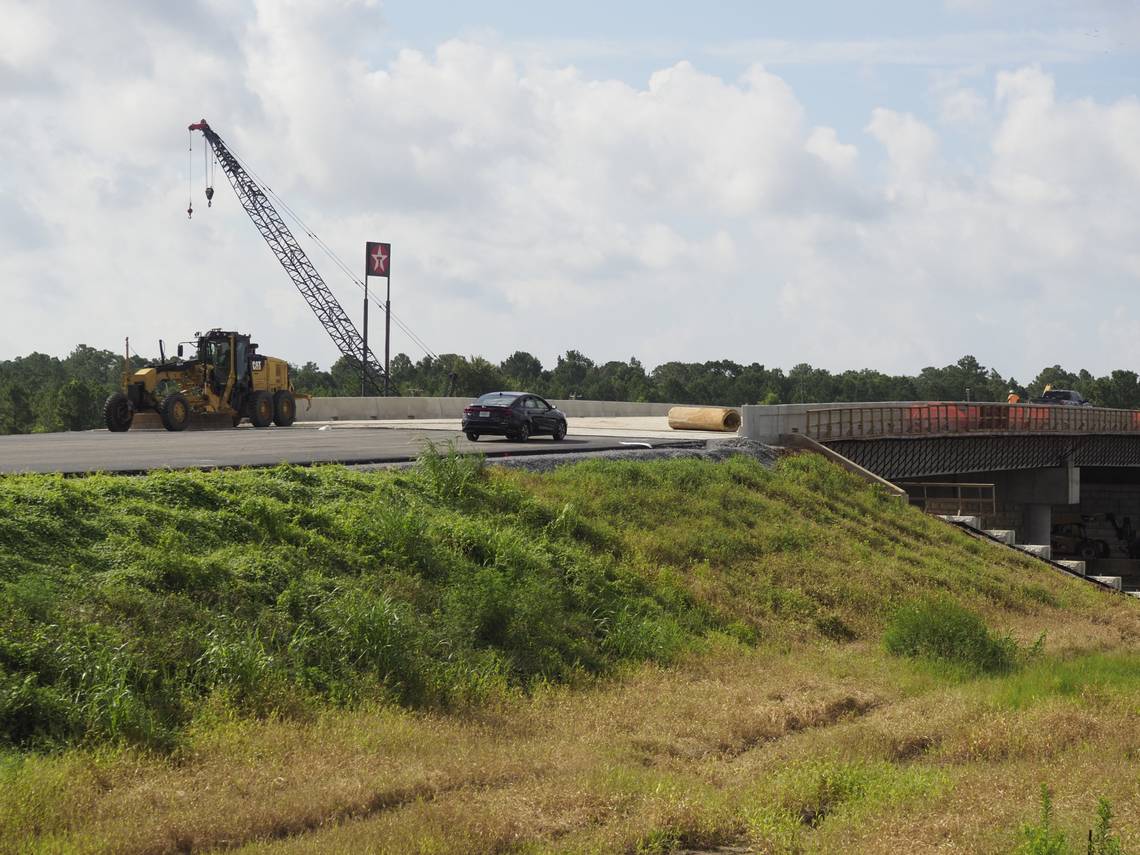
x=379, y=260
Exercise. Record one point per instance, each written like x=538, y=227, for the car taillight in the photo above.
x=469, y=410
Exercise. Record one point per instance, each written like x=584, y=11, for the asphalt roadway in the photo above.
x=144, y=450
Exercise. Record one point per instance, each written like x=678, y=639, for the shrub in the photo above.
x=940, y=629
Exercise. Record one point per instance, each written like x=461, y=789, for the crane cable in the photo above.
x=328, y=251
x=293, y=215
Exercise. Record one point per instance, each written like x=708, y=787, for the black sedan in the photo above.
x=515, y=415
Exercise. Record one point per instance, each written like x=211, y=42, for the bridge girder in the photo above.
x=921, y=457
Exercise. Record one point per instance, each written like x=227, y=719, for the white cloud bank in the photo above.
x=533, y=208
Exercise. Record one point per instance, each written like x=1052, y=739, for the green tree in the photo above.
x=101, y=367
x=475, y=376
x=617, y=381
x=78, y=404
x=1120, y=390
x=310, y=380
x=16, y=414
x=568, y=379
x=522, y=370
x=811, y=385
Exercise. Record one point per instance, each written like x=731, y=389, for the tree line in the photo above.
x=46, y=393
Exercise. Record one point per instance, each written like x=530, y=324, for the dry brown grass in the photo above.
x=700, y=754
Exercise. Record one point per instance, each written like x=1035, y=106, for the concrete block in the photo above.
x=768, y=422
x=1038, y=550
x=1114, y=581
x=1133, y=593
x=971, y=521
x=1005, y=535
x=1075, y=566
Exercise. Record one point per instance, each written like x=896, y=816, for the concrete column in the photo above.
x=1037, y=525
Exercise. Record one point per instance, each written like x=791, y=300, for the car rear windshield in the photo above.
x=1059, y=395
x=496, y=400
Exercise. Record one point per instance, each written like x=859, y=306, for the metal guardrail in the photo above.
x=949, y=497
x=947, y=418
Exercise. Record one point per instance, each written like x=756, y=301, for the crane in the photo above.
x=272, y=227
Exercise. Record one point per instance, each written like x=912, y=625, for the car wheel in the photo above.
x=471, y=435
x=523, y=433
x=559, y=431
x=175, y=412
x=1088, y=551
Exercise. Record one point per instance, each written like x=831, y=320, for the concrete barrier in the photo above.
x=1112, y=581
x=969, y=521
x=1006, y=535
x=1074, y=565
x=364, y=409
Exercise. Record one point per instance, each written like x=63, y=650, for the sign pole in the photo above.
x=377, y=262
x=364, y=351
x=387, y=321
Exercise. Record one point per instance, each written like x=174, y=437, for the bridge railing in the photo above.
x=940, y=418
x=951, y=497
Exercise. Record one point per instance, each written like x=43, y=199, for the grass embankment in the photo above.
x=335, y=661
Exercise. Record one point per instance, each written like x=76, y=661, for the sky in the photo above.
x=888, y=184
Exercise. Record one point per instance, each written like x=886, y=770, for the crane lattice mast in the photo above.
x=296, y=263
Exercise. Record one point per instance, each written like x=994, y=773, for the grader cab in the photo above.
x=226, y=377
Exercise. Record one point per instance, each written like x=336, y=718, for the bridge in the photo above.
x=1070, y=475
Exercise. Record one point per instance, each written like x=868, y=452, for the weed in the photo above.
x=1041, y=838
x=938, y=628
x=1101, y=840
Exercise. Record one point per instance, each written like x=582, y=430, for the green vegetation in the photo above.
x=128, y=605
x=43, y=393
x=720, y=381
x=938, y=628
x=1042, y=838
x=615, y=656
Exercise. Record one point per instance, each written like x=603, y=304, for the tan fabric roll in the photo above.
x=704, y=418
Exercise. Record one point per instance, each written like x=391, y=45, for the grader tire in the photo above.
x=117, y=413
x=261, y=409
x=175, y=412
x=284, y=408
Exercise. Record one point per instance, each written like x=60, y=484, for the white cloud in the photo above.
x=531, y=206
x=962, y=106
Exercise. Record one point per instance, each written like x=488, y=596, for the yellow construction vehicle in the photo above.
x=226, y=377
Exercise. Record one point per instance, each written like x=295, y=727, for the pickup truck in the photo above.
x=1063, y=397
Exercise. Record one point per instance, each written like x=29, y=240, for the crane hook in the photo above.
x=190, y=212
x=209, y=197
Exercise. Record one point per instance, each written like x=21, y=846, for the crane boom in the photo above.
x=296, y=263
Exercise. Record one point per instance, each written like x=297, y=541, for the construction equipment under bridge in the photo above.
x=1043, y=461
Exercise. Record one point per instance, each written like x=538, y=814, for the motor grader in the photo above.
x=226, y=377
